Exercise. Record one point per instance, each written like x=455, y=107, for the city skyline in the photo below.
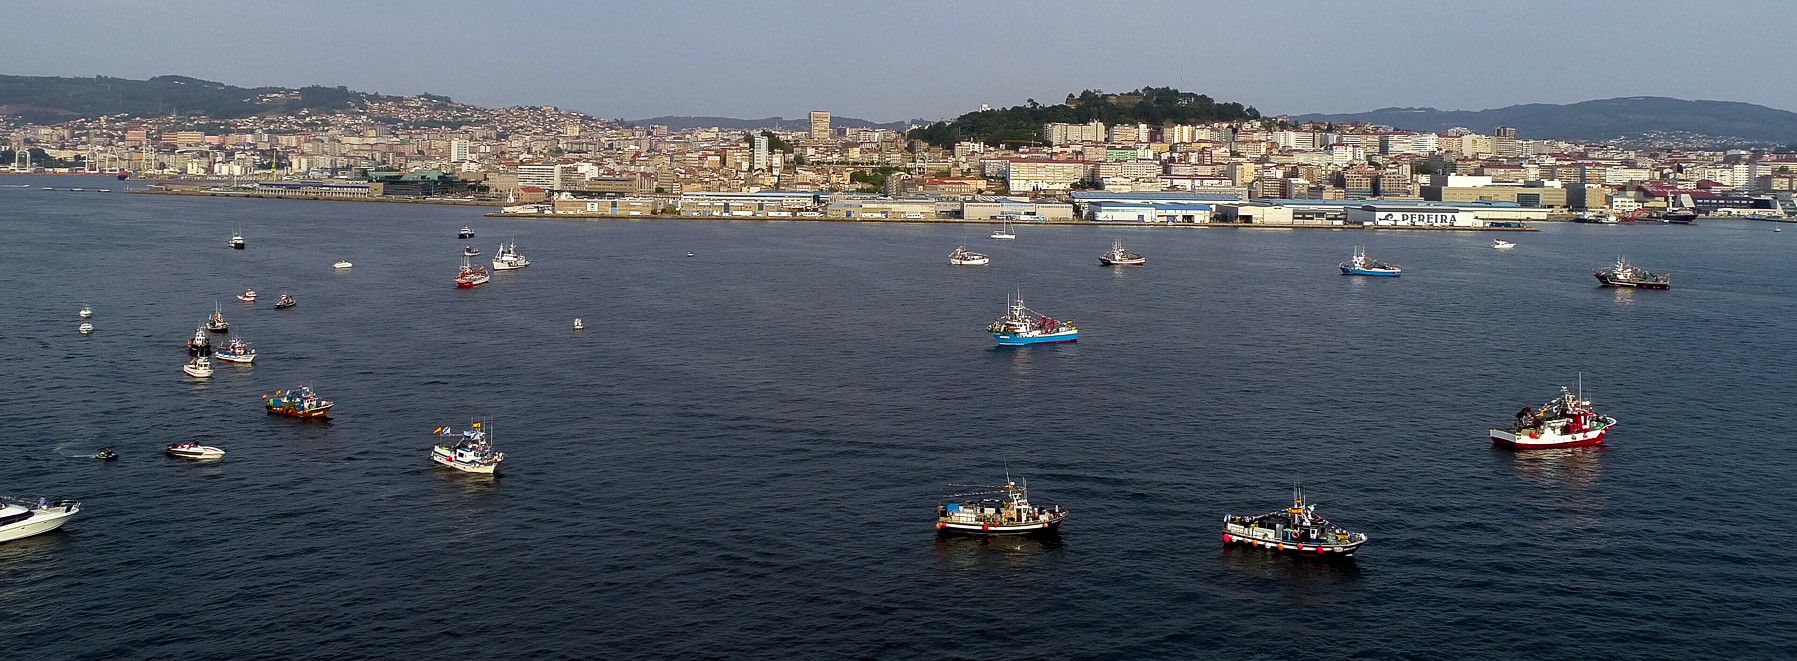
x=786, y=58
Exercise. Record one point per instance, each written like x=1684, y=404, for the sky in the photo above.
x=929, y=59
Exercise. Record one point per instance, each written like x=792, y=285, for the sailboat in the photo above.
x=1004, y=230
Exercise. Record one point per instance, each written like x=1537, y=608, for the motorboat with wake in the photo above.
x=298, y=402
x=1624, y=274
x=1117, y=256
x=21, y=518
x=106, y=454
x=1022, y=326
x=964, y=257
x=1360, y=264
x=1295, y=530
x=1567, y=421
x=507, y=257
x=194, y=451
x=470, y=275
x=198, y=367
x=284, y=302
x=471, y=452
x=1003, y=510
x=235, y=351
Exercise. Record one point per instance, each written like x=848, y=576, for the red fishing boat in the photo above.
x=1567, y=421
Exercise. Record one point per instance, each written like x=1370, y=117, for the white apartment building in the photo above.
x=1061, y=134
x=1027, y=175
x=1409, y=143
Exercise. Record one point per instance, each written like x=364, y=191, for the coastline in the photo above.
x=1033, y=223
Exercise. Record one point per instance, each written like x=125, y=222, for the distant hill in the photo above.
x=683, y=122
x=45, y=99
x=1022, y=125
x=1602, y=119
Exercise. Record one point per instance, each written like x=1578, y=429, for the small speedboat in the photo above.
x=470, y=251
x=1500, y=244
x=248, y=296
x=342, y=265
x=578, y=325
x=20, y=518
x=85, y=328
x=284, y=302
x=194, y=451
x=198, y=367
x=89, y=312
x=466, y=233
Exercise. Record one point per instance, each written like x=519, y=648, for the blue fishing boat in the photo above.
x=1360, y=264
x=1021, y=326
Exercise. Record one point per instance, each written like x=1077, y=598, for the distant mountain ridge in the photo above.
x=683, y=122
x=42, y=99
x=1597, y=120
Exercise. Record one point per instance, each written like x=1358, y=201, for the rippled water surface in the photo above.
x=741, y=455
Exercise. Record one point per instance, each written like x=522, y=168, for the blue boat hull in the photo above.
x=1354, y=271
x=1010, y=340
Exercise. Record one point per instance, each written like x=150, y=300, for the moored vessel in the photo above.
x=194, y=451
x=466, y=233
x=298, y=402
x=85, y=312
x=1004, y=231
x=237, y=240
x=1624, y=274
x=471, y=452
x=198, y=367
x=248, y=296
x=1021, y=326
x=216, y=323
x=964, y=257
x=470, y=275
x=200, y=342
x=1117, y=256
x=21, y=518
x=506, y=257
x=1361, y=264
x=235, y=351
x=1004, y=510
x=85, y=328
x=284, y=302
x=1295, y=530
x=1567, y=421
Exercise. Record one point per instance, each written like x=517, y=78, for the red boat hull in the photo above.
x=1521, y=444
x=313, y=413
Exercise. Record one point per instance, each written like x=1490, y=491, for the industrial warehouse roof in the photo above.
x=1167, y=197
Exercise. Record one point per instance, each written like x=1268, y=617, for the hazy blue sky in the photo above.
x=931, y=59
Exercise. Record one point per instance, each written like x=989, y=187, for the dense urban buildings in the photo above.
x=1262, y=170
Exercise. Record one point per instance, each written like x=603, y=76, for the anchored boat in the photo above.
x=1002, y=510
x=964, y=257
x=465, y=233
x=284, y=302
x=1360, y=264
x=1117, y=256
x=194, y=451
x=216, y=323
x=248, y=296
x=1624, y=274
x=300, y=402
x=470, y=453
x=21, y=518
x=1567, y=421
x=470, y=275
x=235, y=351
x=507, y=258
x=200, y=342
x=1022, y=326
x=1295, y=530
x=198, y=367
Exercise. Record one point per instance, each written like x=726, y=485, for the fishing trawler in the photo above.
x=216, y=323
x=470, y=453
x=1002, y=510
x=1295, y=530
x=1360, y=264
x=21, y=517
x=235, y=351
x=964, y=257
x=200, y=342
x=284, y=302
x=1567, y=421
x=1624, y=274
x=299, y=403
x=1022, y=326
x=507, y=258
x=465, y=233
x=470, y=275
x=1117, y=256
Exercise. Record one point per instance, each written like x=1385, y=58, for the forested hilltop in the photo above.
x=1022, y=125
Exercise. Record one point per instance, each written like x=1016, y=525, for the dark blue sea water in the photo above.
x=741, y=455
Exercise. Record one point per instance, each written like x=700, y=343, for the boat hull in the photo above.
x=1548, y=439
x=502, y=266
x=203, y=453
x=1341, y=551
x=948, y=529
x=40, y=522
x=232, y=358
x=1106, y=261
x=971, y=262
x=1349, y=270
x=441, y=457
x=1015, y=340
x=320, y=412
x=196, y=373
x=464, y=284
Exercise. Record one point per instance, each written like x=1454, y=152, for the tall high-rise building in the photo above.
x=458, y=150
x=820, y=125
x=759, y=161
x=1504, y=132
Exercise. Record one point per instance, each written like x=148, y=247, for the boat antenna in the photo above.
x=1581, y=386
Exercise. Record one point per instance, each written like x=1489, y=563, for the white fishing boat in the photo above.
x=21, y=518
x=1004, y=231
x=235, y=351
x=86, y=312
x=342, y=265
x=198, y=367
x=237, y=240
x=507, y=257
x=964, y=257
x=472, y=451
x=194, y=451
x=1500, y=244
x=85, y=328
x=578, y=325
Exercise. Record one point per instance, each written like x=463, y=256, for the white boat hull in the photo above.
x=198, y=453
x=442, y=457
x=197, y=372
x=41, y=522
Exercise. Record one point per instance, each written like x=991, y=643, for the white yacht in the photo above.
x=85, y=328
x=21, y=518
x=1500, y=244
x=194, y=451
x=342, y=265
x=506, y=258
x=198, y=367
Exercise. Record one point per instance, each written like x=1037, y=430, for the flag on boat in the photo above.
x=477, y=425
